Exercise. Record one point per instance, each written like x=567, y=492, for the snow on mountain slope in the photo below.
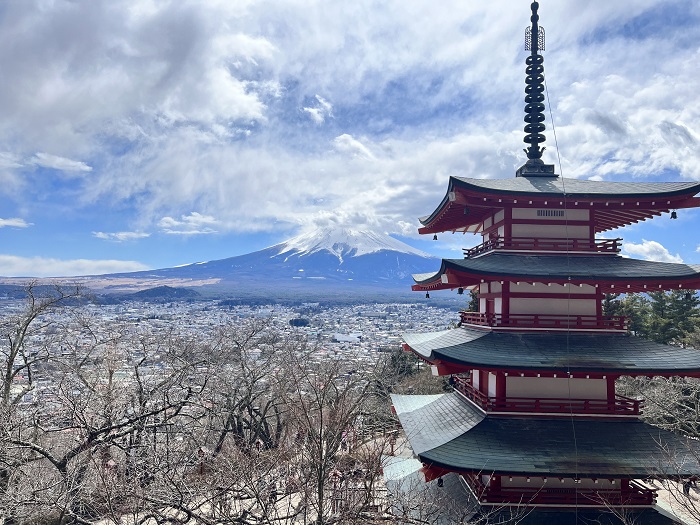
x=328, y=261
x=344, y=242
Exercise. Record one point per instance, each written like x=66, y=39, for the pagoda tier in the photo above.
x=608, y=274
x=548, y=374
x=553, y=354
x=541, y=461
x=470, y=203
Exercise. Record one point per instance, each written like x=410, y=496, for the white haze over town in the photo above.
x=150, y=133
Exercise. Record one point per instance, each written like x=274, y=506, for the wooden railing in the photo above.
x=633, y=494
x=614, y=323
x=620, y=405
x=546, y=245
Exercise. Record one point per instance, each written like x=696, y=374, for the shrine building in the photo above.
x=535, y=419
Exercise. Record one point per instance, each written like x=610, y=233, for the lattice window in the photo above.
x=550, y=213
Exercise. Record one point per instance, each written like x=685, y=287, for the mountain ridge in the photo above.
x=345, y=242
x=326, y=262
x=334, y=255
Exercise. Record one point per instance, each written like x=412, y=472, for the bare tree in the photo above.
x=18, y=361
x=336, y=458
x=672, y=403
x=102, y=396
x=242, y=424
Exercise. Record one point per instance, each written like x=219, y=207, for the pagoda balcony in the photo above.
x=532, y=244
x=633, y=494
x=620, y=406
x=546, y=322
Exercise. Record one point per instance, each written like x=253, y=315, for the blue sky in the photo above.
x=142, y=134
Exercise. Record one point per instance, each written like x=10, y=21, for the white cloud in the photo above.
x=13, y=266
x=9, y=160
x=192, y=224
x=348, y=144
x=322, y=110
x=182, y=105
x=14, y=223
x=46, y=160
x=120, y=236
x=651, y=251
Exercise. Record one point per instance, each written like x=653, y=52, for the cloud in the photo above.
x=322, y=110
x=9, y=160
x=192, y=224
x=651, y=251
x=207, y=105
x=679, y=135
x=14, y=266
x=46, y=160
x=14, y=223
x=120, y=236
x=347, y=144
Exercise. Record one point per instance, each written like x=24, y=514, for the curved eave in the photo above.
x=546, y=447
x=434, y=420
x=465, y=349
x=612, y=274
x=576, y=188
x=613, y=209
x=449, y=433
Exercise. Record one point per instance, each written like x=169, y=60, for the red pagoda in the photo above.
x=535, y=419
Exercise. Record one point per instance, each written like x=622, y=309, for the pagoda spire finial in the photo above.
x=534, y=101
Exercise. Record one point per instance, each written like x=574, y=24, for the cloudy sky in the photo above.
x=150, y=133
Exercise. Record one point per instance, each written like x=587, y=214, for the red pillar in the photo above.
x=624, y=489
x=508, y=226
x=611, y=391
x=505, y=300
x=484, y=382
x=495, y=487
x=500, y=389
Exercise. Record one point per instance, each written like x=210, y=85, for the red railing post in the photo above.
x=547, y=321
x=553, y=244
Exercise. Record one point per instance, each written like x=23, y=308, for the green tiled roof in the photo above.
x=541, y=267
x=405, y=482
x=541, y=516
x=439, y=420
x=573, y=352
x=553, y=447
x=577, y=188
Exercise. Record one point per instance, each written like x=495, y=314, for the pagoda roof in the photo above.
x=406, y=483
x=604, y=353
x=585, y=448
x=614, y=203
x=436, y=419
x=577, y=516
x=612, y=273
x=577, y=188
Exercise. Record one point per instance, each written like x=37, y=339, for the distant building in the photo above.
x=374, y=315
x=347, y=338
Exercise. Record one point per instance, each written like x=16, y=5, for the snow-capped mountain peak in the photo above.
x=320, y=264
x=345, y=242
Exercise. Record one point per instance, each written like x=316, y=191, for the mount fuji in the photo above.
x=326, y=261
